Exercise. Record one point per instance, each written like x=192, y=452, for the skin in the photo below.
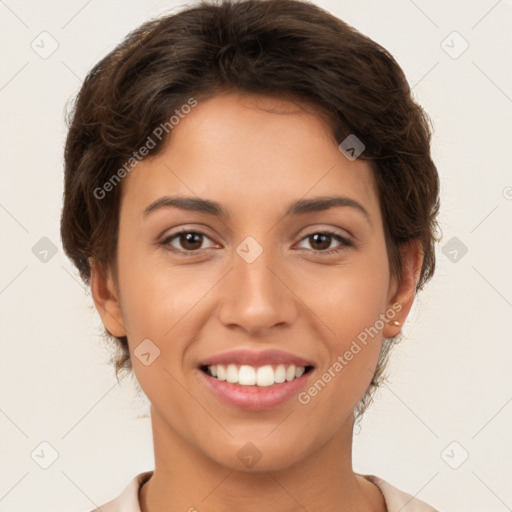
x=252, y=154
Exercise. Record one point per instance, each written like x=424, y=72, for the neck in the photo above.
x=185, y=480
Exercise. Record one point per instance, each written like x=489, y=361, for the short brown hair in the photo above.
x=287, y=48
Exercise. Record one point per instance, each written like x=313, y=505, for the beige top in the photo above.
x=396, y=500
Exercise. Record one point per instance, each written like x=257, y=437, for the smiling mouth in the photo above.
x=261, y=376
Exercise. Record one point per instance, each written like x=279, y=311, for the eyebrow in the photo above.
x=299, y=207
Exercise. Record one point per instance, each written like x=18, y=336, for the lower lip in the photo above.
x=255, y=398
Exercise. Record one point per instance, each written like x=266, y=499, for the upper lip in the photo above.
x=256, y=358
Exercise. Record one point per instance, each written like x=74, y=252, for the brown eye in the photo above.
x=188, y=241
x=321, y=241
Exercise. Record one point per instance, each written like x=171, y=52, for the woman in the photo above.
x=250, y=195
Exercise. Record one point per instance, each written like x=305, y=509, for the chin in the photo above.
x=260, y=454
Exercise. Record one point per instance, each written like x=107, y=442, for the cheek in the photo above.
x=157, y=304
x=351, y=304
x=144, y=285
x=351, y=298
x=162, y=303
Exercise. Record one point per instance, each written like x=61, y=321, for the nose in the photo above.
x=258, y=296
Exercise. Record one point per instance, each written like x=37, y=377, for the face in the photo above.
x=258, y=284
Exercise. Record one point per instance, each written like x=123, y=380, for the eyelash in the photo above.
x=345, y=242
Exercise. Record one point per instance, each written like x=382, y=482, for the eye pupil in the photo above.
x=320, y=238
x=189, y=240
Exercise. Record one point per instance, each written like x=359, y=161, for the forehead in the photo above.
x=263, y=150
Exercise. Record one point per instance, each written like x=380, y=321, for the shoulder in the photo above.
x=398, y=500
x=128, y=500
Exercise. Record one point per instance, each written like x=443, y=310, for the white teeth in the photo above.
x=220, y=371
x=246, y=376
x=263, y=376
x=232, y=373
x=280, y=374
x=290, y=372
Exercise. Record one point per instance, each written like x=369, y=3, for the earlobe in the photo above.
x=402, y=300
x=106, y=300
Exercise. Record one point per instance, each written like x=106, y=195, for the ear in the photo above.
x=106, y=300
x=403, y=289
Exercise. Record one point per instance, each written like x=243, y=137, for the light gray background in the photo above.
x=449, y=379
